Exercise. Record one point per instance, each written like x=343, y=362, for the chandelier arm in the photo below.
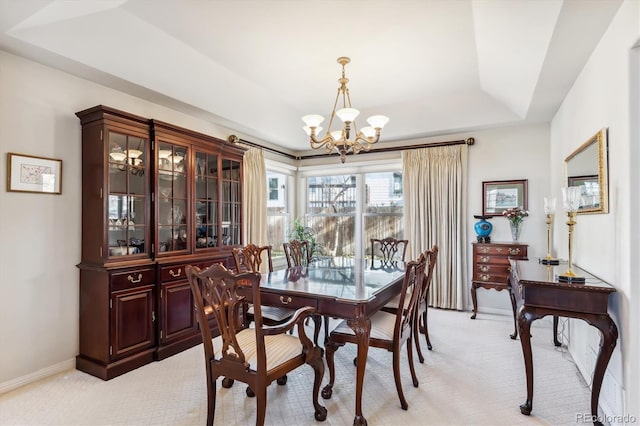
x=333, y=111
x=319, y=143
x=360, y=138
x=362, y=144
x=355, y=127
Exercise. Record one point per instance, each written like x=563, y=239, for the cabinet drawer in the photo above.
x=173, y=272
x=500, y=269
x=516, y=251
x=487, y=259
x=286, y=301
x=490, y=277
x=178, y=272
x=132, y=278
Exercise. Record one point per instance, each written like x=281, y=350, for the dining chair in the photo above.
x=388, y=249
x=420, y=325
x=432, y=257
x=298, y=253
x=255, y=356
x=249, y=259
x=388, y=330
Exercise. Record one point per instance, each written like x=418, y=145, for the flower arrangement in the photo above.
x=515, y=215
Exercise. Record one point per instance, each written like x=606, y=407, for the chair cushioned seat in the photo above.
x=279, y=348
x=382, y=326
x=393, y=303
x=273, y=313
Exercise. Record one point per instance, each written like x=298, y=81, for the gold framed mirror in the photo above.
x=587, y=167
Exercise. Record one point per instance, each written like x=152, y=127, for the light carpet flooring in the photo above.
x=473, y=376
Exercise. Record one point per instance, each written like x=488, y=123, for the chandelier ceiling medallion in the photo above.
x=339, y=139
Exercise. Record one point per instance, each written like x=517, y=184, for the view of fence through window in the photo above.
x=383, y=208
x=277, y=212
x=333, y=211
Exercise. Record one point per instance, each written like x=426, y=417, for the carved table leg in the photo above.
x=608, y=339
x=362, y=328
x=525, y=318
x=513, y=310
x=555, y=331
x=474, y=300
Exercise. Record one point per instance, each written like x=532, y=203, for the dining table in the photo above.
x=338, y=287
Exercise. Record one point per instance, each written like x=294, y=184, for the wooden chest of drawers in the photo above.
x=491, y=266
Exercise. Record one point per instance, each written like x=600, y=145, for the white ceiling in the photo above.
x=432, y=66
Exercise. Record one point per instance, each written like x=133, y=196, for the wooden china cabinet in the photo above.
x=155, y=198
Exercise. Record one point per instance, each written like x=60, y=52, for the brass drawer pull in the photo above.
x=485, y=259
x=499, y=249
x=514, y=251
x=484, y=249
x=174, y=274
x=485, y=277
x=285, y=301
x=134, y=281
x=485, y=268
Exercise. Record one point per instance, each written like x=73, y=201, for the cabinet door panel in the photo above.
x=178, y=315
x=132, y=321
x=173, y=205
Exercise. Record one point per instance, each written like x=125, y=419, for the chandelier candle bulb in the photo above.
x=347, y=115
x=339, y=140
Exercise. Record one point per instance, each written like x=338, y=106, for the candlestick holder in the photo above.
x=571, y=202
x=549, y=210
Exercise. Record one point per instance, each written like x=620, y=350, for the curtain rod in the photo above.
x=236, y=140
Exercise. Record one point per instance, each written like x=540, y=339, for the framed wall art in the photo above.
x=28, y=173
x=499, y=195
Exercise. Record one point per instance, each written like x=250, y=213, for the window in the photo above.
x=277, y=212
x=331, y=213
x=383, y=212
x=345, y=209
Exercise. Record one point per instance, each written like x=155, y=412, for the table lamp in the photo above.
x=571, y=204
x=549, y=210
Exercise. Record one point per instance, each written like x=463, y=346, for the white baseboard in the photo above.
x=37, y=375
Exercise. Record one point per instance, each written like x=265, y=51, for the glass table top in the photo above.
x=338, y=278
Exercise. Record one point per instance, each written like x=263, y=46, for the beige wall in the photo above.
x=41, y=233
x=603, y=96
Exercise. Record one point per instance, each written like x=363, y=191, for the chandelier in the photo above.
x=339, y=139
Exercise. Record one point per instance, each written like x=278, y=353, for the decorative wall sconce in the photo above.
x=571, y=204
x=549, y=210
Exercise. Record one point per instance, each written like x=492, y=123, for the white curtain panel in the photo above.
x=434, y=181
x=254, y=198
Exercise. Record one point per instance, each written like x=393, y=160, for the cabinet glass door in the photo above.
x=206, y=200
x=127, y=194
x=230, y=202
x=172, y=197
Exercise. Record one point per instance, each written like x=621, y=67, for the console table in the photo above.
x=537, y=292
x=491, y=269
